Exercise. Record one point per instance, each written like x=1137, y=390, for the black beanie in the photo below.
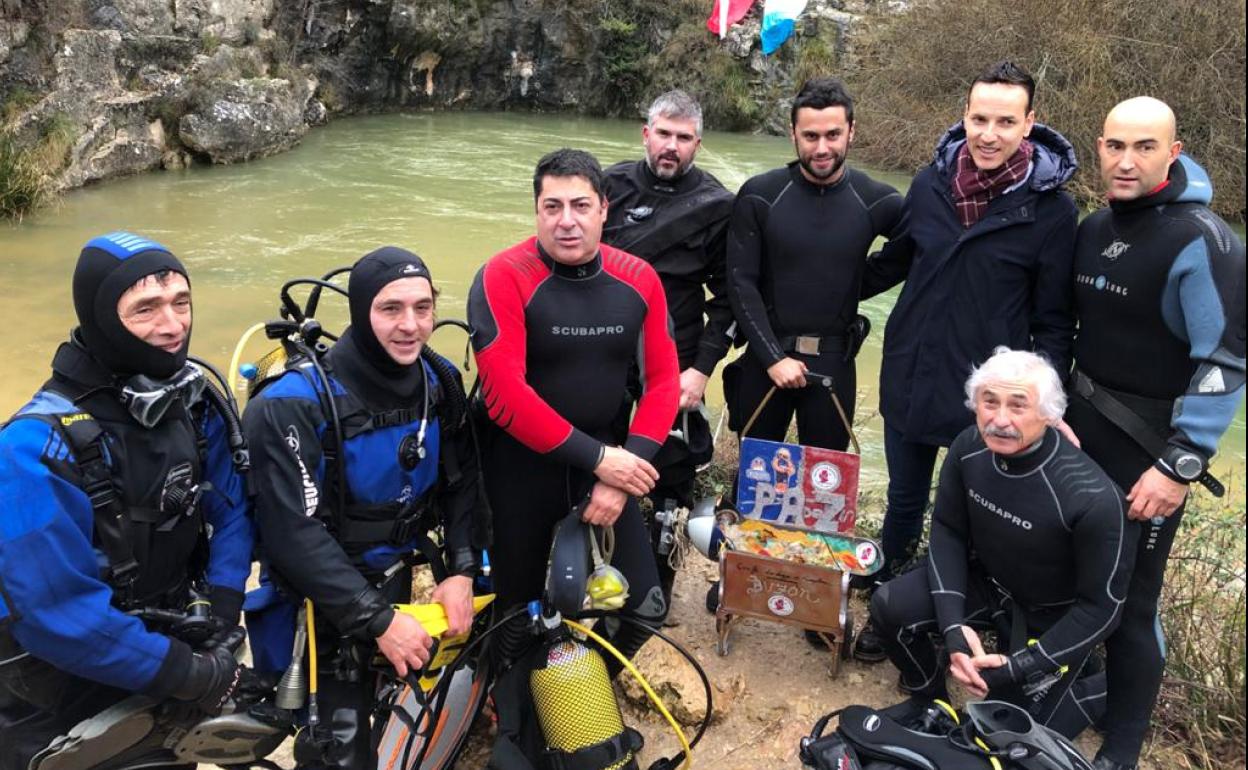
x=368, y=277
x=108, y=266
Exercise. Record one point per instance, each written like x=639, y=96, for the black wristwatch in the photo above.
x=1181, y=464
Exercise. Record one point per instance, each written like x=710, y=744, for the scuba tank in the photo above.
x=576, y=705
x=572, y=694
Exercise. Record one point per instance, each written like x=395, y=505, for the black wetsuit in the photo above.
x=680, y=227
x=348, y=562
x=796, y=253
x=554, y=345
x=1043, y=536
x=1159, y=290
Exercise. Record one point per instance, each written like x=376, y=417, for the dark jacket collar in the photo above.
x=690, y=180
x=1053, y=162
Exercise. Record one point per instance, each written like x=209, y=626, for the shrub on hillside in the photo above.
x=1202, y=704
x=914, y=68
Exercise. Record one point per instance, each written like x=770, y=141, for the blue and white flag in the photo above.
x=778, y=19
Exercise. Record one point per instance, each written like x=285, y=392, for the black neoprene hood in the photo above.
x=369, y=276
x=108, y=266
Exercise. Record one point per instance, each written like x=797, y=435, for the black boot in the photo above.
x=868, y=647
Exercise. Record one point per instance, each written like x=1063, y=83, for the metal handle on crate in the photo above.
x=824, y=380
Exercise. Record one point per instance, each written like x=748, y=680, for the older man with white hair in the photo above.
x=1029, y=539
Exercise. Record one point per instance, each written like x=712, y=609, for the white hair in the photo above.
x=1007, y=365
x=676, y=105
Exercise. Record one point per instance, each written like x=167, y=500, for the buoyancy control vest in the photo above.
x=145, y=484
x=356, y=446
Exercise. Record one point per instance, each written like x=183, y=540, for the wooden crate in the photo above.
x=800, y=488
x=815, y=598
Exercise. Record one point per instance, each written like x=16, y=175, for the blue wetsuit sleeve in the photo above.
x=59, y=609
x=288, y=468
x=746, y=241
x=1052, y=325
x=1203, y=302
x=949, y=551
x=227, y=511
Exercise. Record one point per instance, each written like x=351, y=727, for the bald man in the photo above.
x=1159, y=370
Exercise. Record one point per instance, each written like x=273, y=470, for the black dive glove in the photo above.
x=998, y=678
x=1024, y=669
x=230, y=638
x=211, y=680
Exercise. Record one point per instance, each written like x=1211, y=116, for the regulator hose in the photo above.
x=227, y=407
x=453, y=396
x=658, y=704
x=236, y=359
x=432, y=708
x=697, y=667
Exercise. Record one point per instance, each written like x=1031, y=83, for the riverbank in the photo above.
x=94, y=91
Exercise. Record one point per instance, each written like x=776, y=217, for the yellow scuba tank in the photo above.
x=576, y=706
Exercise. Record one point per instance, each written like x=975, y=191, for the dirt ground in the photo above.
x=780, y=686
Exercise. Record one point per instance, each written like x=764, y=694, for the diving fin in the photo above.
x=1010, y=732
x=93, y=741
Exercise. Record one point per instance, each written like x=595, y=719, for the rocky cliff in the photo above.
x=110, y=87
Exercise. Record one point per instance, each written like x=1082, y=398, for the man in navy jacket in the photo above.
x=987, y=262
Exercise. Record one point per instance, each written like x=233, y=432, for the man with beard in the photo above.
x=341, y=504
x=1159, y=370
x=797, y=248
x=118, y=493
x=986, y=262
x=675, y=216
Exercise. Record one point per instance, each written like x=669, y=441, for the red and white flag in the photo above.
x=726, y=13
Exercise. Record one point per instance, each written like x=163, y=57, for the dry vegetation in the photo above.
x=914, y=67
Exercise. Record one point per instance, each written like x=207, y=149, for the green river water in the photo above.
x=453, y=187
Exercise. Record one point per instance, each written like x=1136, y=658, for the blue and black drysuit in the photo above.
x=338, y=557
x=1159, y=291
x=56, y=600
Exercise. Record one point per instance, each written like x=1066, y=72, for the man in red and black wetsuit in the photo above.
x=558, y=321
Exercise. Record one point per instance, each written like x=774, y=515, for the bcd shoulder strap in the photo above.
x=86, y=439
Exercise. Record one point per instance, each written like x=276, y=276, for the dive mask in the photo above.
x=148, y=399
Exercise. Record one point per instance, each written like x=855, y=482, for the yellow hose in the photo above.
x=680, y=734
x=232, y=373
x=307, y=603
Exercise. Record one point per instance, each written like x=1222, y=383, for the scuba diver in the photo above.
x=674, y=215
x=360, y=453
x=559, y=320
x=122, y=490
x=1030, y=540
